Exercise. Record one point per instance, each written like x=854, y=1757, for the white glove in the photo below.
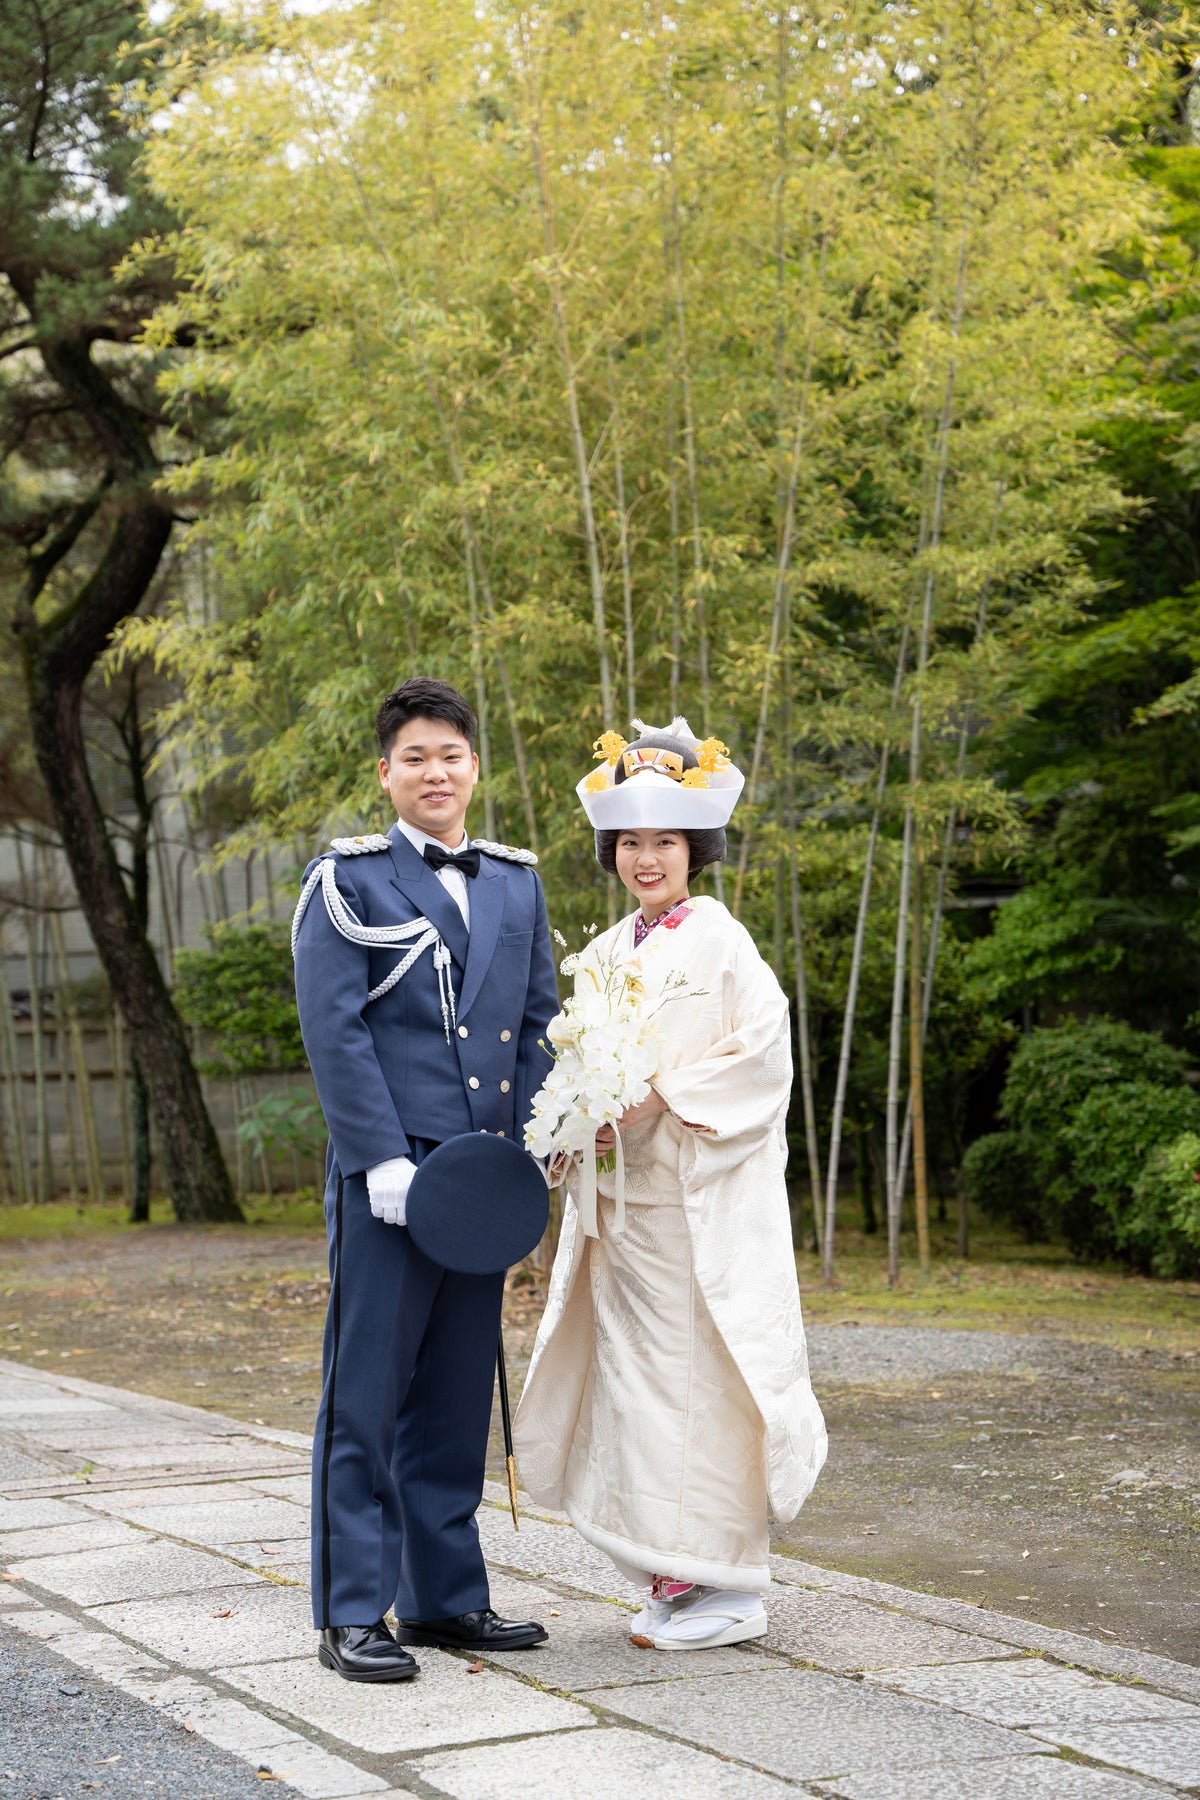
x=387, y=1188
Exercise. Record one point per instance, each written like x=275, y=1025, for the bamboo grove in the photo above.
x=731, y=360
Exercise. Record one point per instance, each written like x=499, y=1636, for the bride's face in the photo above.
x=653, y=865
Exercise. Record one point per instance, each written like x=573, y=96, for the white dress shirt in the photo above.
x=454, y=882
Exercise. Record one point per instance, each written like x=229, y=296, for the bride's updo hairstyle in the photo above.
x=705, y=846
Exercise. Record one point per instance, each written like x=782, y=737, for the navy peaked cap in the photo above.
x=477, y=1204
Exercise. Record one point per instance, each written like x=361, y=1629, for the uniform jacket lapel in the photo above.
x=487, y=910
x=418, y=883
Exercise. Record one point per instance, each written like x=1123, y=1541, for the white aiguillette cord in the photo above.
x=380, y=937
x=588, y=1208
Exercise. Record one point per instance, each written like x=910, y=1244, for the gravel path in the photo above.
x=870, y=1353
x=65, y=1732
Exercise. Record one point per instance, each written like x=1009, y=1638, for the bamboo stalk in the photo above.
x=82, y=1079
x=689, y=431
x=942, y=442
x=856, y=956
x=780, y=598
x=10, y=1062
x=894, y=1037
x=481, y=706
x=34, y=920
x=115, y=1026
x=558, y=312
x=916, y=1068
x=347, y=160
x=631, y=702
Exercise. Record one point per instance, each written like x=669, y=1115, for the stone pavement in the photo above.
x=164, y=1550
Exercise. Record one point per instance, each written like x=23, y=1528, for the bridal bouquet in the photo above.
x=606, y=1052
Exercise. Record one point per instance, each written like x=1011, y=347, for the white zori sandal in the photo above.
x=716, y=1616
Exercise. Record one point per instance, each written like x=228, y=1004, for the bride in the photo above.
x=668, y=1404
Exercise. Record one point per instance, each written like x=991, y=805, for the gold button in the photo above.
x=473, y=1081
x=504, y=1036
x=462, y=1031
x=504, y=1086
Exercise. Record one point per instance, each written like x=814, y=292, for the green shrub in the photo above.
x=1166, y=1206
x=1113, y=1134
x=242, y=991
x=1055, y=1069
x=1086, y=1104
x=1002, y=1176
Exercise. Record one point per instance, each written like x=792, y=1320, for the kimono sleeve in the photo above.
x=734, y=1090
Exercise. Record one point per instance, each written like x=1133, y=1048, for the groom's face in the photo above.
x=430, y=774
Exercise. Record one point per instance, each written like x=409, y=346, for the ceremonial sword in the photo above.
x=510, y=1462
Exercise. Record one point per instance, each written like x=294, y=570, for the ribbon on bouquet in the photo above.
x=588, y=1208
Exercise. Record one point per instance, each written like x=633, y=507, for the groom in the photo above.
x=424, y=979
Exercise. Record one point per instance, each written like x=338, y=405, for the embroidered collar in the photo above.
x=669, y=920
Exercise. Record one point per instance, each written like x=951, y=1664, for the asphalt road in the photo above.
x=64, y=1732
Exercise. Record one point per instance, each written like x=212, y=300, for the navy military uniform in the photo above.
x=403, y=1061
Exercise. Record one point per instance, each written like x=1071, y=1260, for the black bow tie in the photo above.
x=466, y=861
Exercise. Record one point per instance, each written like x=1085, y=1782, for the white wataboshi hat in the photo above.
x=657, y=793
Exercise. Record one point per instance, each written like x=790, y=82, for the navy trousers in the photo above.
x=401, y=1436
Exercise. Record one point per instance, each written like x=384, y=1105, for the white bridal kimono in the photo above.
x=668, y=1401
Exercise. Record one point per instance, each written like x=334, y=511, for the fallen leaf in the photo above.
x=225, y=1612
x=267, y=1550
x=643, y=1643
x=870, y=1531
x=554, y=1613
x=188, y=1725
x=108, y=1759
x=10, y=1577
x=475, y=1668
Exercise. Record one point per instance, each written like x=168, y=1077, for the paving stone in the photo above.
x=134, y=1501
x=1008, y=1778
x=444, y=1705
x=25, y=1515
x=202, y=1453
x=319, y=1775
x=596, y=1765
x=589, y=1643
x=802, y=1724
x=24, y=1414
x=266, y=1623
x=297, y=1488
x=1031, y=1692
x=1167, y=1749
x=1180, y=1679
x=59, y=1540
x=11, y=1595
x=837, y=1633
x=41, y=1622
x=18, y=1465
x=130, y=1572
x=105, y=1655
x=231, y=1725
x=249, y=1517
x=554, y=1551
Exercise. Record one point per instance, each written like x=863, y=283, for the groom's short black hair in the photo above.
x=423, y=697
x=705, y=846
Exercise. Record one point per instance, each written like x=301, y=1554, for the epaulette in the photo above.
x=360, y=846
x=507, y=852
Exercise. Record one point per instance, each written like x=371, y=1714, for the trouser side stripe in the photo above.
x=335, y=1303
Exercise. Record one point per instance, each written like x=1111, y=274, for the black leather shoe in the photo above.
x=483, y=1630
x=365, y=1653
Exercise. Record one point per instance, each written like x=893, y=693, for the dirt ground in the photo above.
x=1039, y=1474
